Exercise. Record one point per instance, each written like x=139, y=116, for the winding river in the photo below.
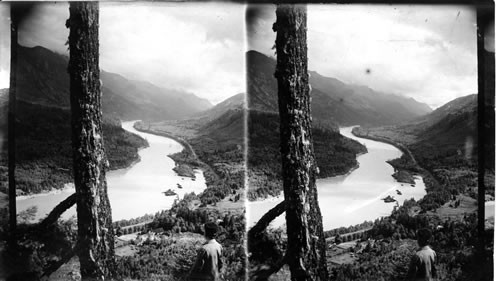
x=356, y=197
x=344, y=200
x=132, y=191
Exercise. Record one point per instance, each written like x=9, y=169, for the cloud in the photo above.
x=424, y=52
x=4, y=45
x=428, y=53
x=259, y=21
x=161, y=46
x=46, y=26
x=218, y=21
x=194, y=47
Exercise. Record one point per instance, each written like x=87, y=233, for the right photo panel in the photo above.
x=366, y=160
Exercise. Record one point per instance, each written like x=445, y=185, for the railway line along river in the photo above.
x=133, y=191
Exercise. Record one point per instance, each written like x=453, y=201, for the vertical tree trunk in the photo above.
x=485, y=16
x=306, y=242
x=11, y=126
x=480, y=122
x=95, y=233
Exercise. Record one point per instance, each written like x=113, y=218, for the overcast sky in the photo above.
x=197, y=47
x=425, y=52
x=4, y=45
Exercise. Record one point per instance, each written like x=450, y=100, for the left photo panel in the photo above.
x=122, y=141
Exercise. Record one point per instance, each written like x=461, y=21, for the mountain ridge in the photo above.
x=43, y=80
x=446, y=137
x=333, y=101
x=232, y=103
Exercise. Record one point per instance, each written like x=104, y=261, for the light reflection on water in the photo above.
x=351, y=199
x=136, y=190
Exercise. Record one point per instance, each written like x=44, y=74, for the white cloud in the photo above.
x=46, y=26
x=425, y=52
x=4, y=45
x=195, y=47
x=407, y=51
x=153, y=42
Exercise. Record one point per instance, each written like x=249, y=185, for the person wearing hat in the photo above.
x=423, y=263
x=208, y=262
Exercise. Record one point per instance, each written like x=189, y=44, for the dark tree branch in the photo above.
x=256, y=234
x=266, y=219
x=58, y=211
x=264, y=273
x=64, y=259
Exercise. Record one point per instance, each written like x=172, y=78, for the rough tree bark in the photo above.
x=306, y=242
x=485, y=16
x=480, y=100
x=95, y=233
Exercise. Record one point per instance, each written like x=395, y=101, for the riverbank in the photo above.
x=186, y=160
x=221, y=160
x=44, y=160
x=444, y=178
x=272, y=198
x=446, y=210
x=358, y=132
x=355, y=197
x=404, y=165
x=264, y=158
x=140, y=186
x=223, y=164
x=68, y=188
x=140, y=126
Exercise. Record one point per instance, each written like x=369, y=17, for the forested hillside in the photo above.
x=214, y=143
x=442, y=147
x=334, y=153
x=43, y=143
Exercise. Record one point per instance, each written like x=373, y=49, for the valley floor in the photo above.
x=175, y=244
x=449, y=209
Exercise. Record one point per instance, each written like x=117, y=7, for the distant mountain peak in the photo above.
x=332, y=100
x=235, y=102
x=43, y=80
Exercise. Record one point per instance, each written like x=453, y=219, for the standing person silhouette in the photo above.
x=208, y=263
x=423, y=263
